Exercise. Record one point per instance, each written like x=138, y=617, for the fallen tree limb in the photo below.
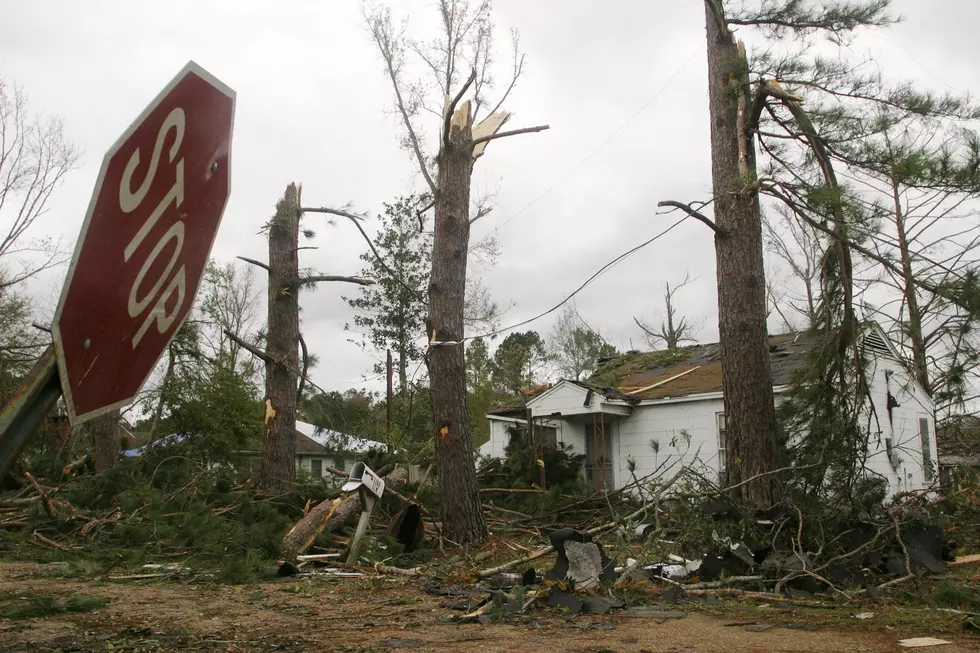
x=48, y=508
x=51, y=543
x=540, y=553
x=330, y=516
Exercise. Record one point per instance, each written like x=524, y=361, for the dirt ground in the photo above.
x=381, y=614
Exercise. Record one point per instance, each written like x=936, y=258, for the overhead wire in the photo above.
x=608, y=139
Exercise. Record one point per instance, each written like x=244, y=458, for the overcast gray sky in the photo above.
x=314, y=107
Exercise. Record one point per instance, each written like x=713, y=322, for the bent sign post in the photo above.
x=145, y=242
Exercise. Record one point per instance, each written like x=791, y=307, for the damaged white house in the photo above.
x=641, y=408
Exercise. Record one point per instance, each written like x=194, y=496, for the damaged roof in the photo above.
x=688, y=370
x=518, y=409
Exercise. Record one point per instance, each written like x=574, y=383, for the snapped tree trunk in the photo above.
x=911, y=298
x=330, y=515
x=282, y=344
x=462, y=516
x=105, y=441
x=751, y=446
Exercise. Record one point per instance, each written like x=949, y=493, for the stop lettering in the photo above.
x=144, y=244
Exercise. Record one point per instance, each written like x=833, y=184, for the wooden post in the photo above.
x=367, y=503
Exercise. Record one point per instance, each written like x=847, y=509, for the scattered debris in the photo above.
x=864, y=615
x=760, y=628
x=921, y=642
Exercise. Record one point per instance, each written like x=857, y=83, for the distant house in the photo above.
x=642, y=407
x=315, y=450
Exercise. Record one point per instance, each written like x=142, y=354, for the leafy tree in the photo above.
x=354, y=412
x=20, y=343
x=391, y=314
x=575, y=347
x=215, y=407
x=519, y=362
x=479, y=382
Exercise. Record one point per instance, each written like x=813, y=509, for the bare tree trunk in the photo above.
x=331, y=517
x=911, y=299
x=105, y=441
x=282, y=345
x=164, y=389
x=461, y=512
x=751, y=446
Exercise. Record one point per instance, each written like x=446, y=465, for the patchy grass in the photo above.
x=40, y=606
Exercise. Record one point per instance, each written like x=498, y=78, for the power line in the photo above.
x=606, y=142
x=582, y=287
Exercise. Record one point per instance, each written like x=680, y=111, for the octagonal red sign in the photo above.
x=144, y=244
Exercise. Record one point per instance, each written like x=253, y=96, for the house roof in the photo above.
x=329, y=440
x=519, y=408
x=688, y=370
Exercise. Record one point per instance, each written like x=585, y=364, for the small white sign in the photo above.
x=363, y=476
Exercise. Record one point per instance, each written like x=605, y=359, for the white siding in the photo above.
x=499, y=437
x=909, y=474
x=667, y=424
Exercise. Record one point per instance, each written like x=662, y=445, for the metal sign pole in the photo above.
x=28, y=407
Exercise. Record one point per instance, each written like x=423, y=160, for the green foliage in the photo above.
x=562, y=466
x=216, y=408
x=518, y=362
x=165, y=507
x=391, y=314
x=483, y=396
x=354, y=412
x=40, y=606
x=20, y=343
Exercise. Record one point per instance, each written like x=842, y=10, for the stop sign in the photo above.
x=144, y=244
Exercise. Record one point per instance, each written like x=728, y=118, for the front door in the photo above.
x=599, y=453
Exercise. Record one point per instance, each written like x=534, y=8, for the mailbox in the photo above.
x=363, y=478
x=371, y=487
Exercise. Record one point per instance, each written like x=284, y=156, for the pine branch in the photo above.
x=270, y=359
x=686, y=208
x=254, y=262
x=363, y=281
x=356, y=219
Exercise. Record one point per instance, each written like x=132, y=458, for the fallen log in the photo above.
x=48, y=508
x=329, y=516
x=51, y=543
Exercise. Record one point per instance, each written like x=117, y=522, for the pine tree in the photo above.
x=391, y=314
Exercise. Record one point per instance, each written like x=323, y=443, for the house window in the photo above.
x=722, y=431
x=547, y=437
x=316, y=468
x=926, y=442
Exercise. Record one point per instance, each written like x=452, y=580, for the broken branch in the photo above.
x=686, y=208
x=512, y=132
x=363, y=281
x=254, y=262
x=448, y=118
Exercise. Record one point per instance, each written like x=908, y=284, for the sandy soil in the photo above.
x=378, y=615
